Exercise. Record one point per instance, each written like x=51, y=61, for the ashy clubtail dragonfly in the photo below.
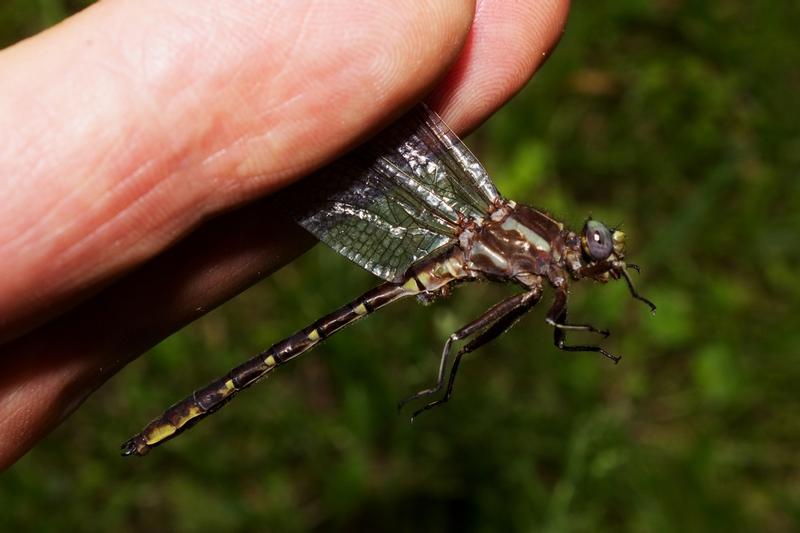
x=416, y=208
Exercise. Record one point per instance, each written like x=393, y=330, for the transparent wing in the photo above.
x=397, y=198
x=423, y=146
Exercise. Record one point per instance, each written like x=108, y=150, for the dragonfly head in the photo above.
x=603, y=251
x=598, y=242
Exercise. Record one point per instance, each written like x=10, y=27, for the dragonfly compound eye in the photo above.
x=597, y=241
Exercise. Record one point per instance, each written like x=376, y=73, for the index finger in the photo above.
x=127, y=125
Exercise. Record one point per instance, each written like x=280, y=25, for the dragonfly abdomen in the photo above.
x=184, y=414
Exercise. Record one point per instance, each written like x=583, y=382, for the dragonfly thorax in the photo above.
x=522, y=242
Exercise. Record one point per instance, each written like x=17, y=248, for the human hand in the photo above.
x=129, y=128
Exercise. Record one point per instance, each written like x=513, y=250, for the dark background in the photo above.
x=678, y=119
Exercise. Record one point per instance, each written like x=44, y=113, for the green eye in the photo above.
x=597, y=242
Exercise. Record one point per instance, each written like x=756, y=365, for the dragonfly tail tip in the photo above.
x=129, y=448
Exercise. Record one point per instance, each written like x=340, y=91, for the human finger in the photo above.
x=127, y=125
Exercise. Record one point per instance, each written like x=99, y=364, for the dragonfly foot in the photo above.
x=416, y=396
x=427, y=407
x=402, y=403
x=423, y=394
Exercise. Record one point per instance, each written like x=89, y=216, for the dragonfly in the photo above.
x=415, y=207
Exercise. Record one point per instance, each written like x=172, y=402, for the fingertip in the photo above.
x=507, y=43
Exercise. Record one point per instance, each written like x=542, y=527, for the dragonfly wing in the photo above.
x=422, y=145
x=359, y=212
x=398, y=197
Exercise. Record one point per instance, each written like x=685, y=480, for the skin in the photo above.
x=141, y=140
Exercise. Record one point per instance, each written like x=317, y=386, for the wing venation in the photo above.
x=397, y=198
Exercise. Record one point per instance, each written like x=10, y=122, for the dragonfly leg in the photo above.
x=440, y=377
x=489, y=326
x=559, y=317
x=633, y=290
x=559, y=308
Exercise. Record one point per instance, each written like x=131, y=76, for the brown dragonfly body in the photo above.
x=451, y=227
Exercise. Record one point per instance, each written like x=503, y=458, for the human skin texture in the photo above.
x=140, y=142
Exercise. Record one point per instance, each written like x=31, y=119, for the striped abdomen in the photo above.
x=205, y=401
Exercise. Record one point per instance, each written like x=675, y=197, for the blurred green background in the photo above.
x=678, y=119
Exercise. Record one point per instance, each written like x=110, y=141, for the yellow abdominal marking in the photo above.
x=411, y=285
x=313, y=336
x=270, y=361
x=160, y=433
x=360, y=309
x=164, y=431
x=424, y=279
x=228, y=386
x=193, y=412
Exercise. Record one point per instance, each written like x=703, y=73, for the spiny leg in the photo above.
x=483, y=322
x=560, y=338
x=559, y=308
x=440, y=376
x=524, y=303
x=633, y=290
x=559, y=316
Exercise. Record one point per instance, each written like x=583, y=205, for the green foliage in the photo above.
x=678, y=119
